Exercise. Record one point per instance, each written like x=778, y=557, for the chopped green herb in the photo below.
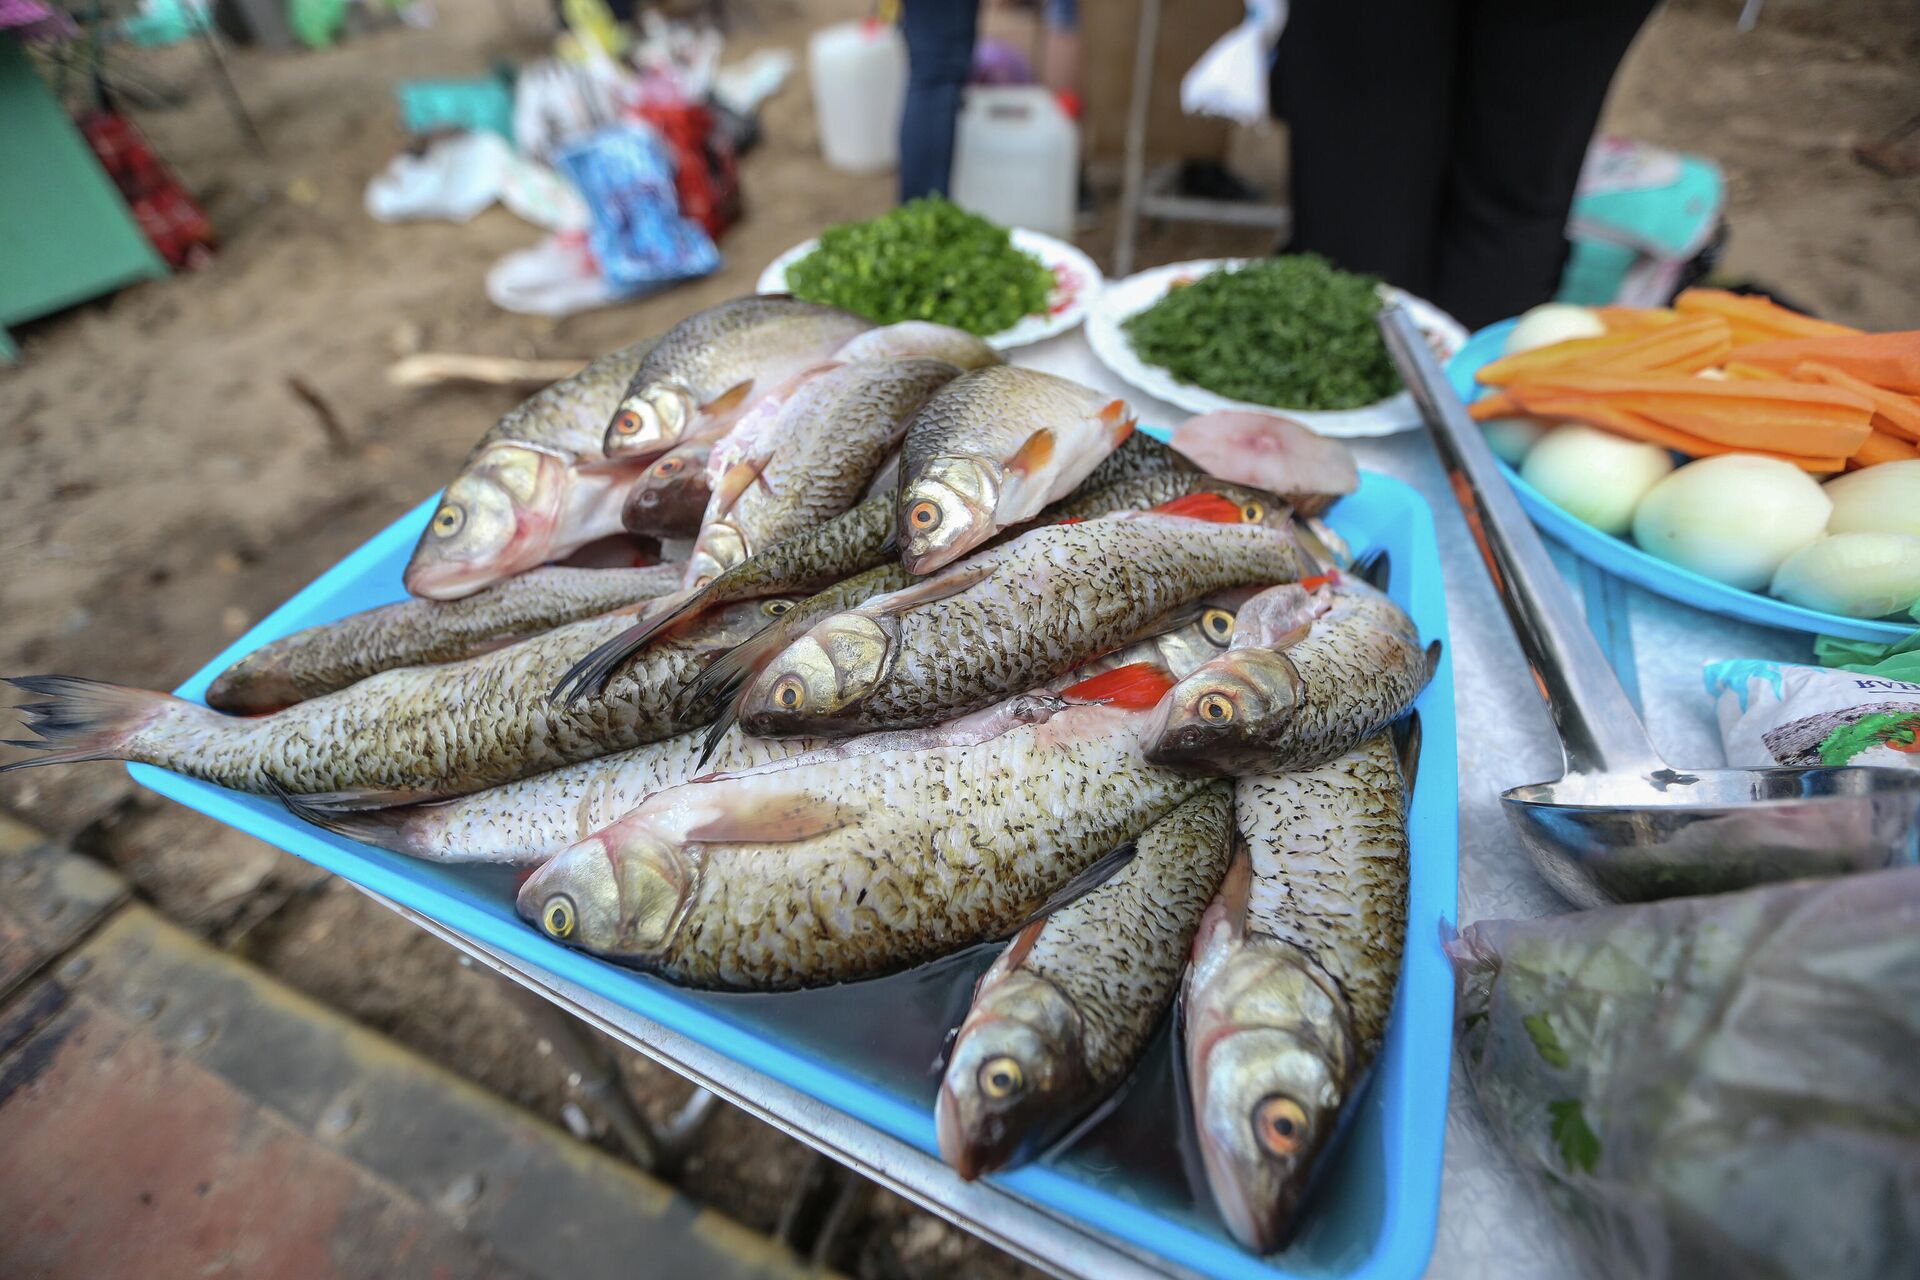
x=1292, y=332
x=929, y=259
x=1545, y=1040
x=1579, y=1145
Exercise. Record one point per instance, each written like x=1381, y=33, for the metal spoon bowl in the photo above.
x=1621, y=826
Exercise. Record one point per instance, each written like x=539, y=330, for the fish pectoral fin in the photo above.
x=1433, y=659
x=1137, y=686
x=1118, y=418
x=1091, y=877
x=778, y=820
x=1406, y=745
x=730, y=399
x=1035, y=453
x=734, y=481
x=946, y=583
x=1374, y=568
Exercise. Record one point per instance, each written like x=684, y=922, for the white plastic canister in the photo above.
x=1017, y=158
x=859, y=72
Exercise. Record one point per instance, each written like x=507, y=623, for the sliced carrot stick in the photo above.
x=1740, y=371
x=1566, y=407
x=1781, y=417
x=1693, y=344
x=1635, y=319
x=1756, y=319
x=1890, y=361
x=1881, y=447
x=1892, y=413
x=1736, y=431
x=1487, y=408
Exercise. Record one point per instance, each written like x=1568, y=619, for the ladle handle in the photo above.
x=1599, y=730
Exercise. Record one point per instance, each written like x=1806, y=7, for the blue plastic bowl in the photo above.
x=1375, y=1215
x=1623, y=559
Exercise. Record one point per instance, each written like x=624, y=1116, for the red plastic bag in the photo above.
x=706, y=177
x=168, y=216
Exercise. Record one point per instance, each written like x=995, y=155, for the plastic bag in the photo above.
x=627, y=175
x=1230, y=79
x=1780, y=713
x=1708, y=1087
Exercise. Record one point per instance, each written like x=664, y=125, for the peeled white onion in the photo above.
x=1553, y=322
x=1733, y=518
x=1594, y=475
x=1858, y=575
x=1512, y=438
x=1879, y=499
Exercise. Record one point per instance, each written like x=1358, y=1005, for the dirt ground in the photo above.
x=164, y=486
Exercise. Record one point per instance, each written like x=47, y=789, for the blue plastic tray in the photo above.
x=1623, y=559
x=1376, y=1212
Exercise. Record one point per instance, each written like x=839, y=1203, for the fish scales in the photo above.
x=1117, y=953
x=570, y=416
x=426, y=732
x=333, y=655
x=1328, y=848
x=1361, y=666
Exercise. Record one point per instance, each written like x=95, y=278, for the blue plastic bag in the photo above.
x=626, y=173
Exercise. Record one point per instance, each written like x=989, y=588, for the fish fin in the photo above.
x=729, y=399
x=1072, y=520
x=784, y=820
x=382, y=828
x=1317, y=552
x=350, y=800
x=1018, y=949
x=589, y=676
x=1119, y=421
x=1035, y=453
x=1089, y=878
x=632, y=465
x=1406, y=745
x=1236, y=887
x=1172, y=620
x=1134, y=687
x=939, y=586
x=1375, y=568
x=81, y=719
x=1433, y=660
x=727, y=674
x=1331, y=578
x=736, y=480
x=1203, y=506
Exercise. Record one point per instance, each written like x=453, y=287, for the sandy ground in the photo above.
x=164, y=487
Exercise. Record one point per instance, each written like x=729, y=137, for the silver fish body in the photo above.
x=911, y=339
x=529, y=492
x=411, y=633
x=859, y=860
x=709, y=368
x=1066, y=1010
x=1300, y=699
x=814, y=461
x=416, y=733
x=1006, y=620
x=990, y=450
x=1292, y=979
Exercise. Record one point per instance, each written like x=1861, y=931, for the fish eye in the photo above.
x=1001, y=1077
x=1216, y=708
x=1253, y=512
x=774, y=608
x=669, y=466
x=924, y=515
x=1279, y=1125
x=557, y=917
x=1218, y=624
x=790, y=694
x=626, y=422
x=448, y=520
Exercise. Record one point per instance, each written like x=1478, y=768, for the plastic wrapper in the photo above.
x=1230, y=79
x=1780, y=713
x=1718, y=1086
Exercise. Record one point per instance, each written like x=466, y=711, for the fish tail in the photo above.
x=589, y=676
x=81, y=719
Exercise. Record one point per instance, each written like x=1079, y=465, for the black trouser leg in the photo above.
x=1367, y=90
x=1533, y=76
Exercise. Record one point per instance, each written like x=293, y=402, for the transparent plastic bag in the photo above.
x=1712, y=1087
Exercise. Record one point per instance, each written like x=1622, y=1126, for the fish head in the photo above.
x=619, y=892
x=1226, y=712
x=496, y=519
x=1185, y=648
x=651, y=418
x=1017, y=1076
x=669, y=496
x=818, y=678
x=1270, y=1060
x=946, y=511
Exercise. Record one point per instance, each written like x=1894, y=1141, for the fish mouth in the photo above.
x=961, y=1153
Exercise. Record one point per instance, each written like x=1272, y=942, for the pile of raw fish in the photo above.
x=952, y=656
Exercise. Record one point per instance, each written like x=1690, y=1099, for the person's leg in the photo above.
x=1533, y=78
x=1366, y=91
x=939, y=36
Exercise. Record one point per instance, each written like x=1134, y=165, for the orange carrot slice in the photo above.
x=1690, y=345
x=1890, y=361
x=1881, y=447
x=1740, y=371
x=1755, y=319
x=1892, y=413
x=1569, y=407
x=1635, y=319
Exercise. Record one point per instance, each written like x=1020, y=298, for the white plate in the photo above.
x=1077, y=284
x=1138, y=292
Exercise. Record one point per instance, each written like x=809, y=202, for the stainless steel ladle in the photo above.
x=1620, y=825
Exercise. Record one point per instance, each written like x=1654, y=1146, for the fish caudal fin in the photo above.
x=1137, y=686
x=587, y=677
x=82, y=719
x=1204, y=506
